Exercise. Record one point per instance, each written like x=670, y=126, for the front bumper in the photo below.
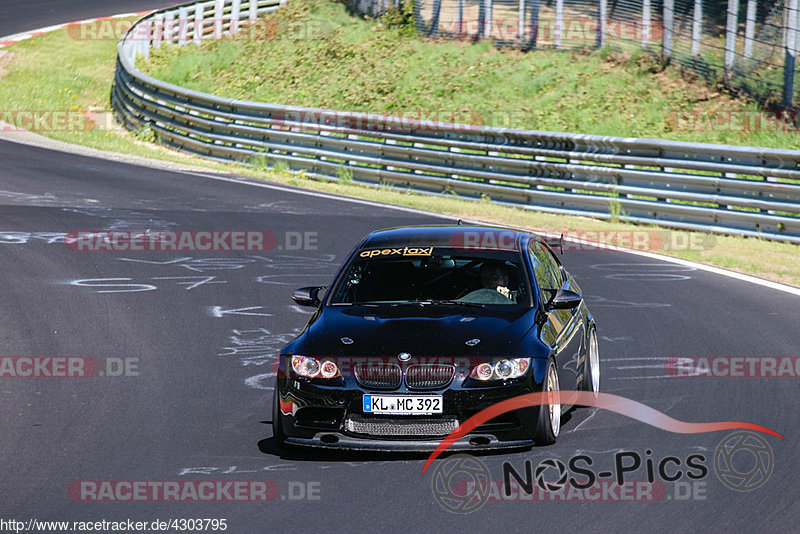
x=319, y=415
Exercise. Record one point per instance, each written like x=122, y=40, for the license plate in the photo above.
x=403, y=404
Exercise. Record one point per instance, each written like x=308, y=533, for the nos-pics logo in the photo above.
x=461, y=484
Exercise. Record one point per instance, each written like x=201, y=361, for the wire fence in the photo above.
x=747, y=45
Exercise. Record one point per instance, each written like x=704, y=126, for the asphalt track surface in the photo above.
x=205, y=327
x=18, y=16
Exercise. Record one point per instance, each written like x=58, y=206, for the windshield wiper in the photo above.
x=414, y=303
x=460, y=303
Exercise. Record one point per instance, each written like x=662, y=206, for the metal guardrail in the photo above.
x=726, y=189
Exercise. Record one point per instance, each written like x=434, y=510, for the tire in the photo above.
x=591, y=365
x=277, y=430
x=548, y=424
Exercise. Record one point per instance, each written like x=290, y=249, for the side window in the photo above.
x=555, y=267
x=545, y=267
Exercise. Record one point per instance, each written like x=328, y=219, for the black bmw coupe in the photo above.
x=426, y=326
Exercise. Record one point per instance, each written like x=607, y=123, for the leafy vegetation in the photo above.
x=321, y=56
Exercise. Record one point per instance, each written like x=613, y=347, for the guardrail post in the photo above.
x=183, y=25
x=158, y=30
x=127, y=47
x=481, y=16
x=252, y=14
x=143, y=35
x=559, y=33
x=521, y=20
x=791, y=54
x=602, y=21
x=488, y=29
x=235, y=11
x=730, y=37
x=198, y=24
x=784, y=16
x=647, y=20
x=437, y=8
x=219, y=5
x=534, y=22
x=668, y=21
x=697, y=27
x=750, y=29
x=460, y=19
x=137, y=47
x=169, y=26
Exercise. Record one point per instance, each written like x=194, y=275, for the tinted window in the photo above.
x=446, y=275
x=545, y=267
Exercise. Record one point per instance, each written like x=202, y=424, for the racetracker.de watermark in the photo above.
x=53, y=120
x=193, y=490
x=603, y=491
x=406, y=120
x=569, y=30
x=217, y=29
x=587, y=240
x=173, y=491
x=733, y=121
x=66, y=367
x=402, y=120
x=733, y=366
x=190, y=241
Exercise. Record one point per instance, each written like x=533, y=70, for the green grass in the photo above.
x=321, y=57
x=55, y=71
x=60, y=73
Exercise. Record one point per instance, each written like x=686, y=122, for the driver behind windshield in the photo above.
x=494, y=275
x=494, y=278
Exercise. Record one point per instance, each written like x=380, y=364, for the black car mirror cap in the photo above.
x=307, y=296
x=564, y=300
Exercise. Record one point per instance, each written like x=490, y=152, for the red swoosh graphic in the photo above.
x=606, y=401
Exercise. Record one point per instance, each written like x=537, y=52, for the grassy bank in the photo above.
x=314, y=54
x=57, y=72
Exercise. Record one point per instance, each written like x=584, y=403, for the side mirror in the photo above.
x=307, y=296
x=564, y=300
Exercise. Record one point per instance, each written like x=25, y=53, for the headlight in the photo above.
x=328, y=369
x=501, y=370
x=313, y=368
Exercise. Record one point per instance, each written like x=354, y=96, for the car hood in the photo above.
x=430, y=330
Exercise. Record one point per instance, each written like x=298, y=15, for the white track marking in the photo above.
x=219, y=311
x=651, y=255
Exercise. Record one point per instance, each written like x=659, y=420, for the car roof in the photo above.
x=448, y=235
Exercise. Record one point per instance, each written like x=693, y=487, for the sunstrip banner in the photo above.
x=605, y=401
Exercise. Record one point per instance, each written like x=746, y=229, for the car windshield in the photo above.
x=445, y=276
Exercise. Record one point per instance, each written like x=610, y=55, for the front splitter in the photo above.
x=336, y=441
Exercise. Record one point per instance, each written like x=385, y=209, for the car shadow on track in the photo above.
x=268, y=446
